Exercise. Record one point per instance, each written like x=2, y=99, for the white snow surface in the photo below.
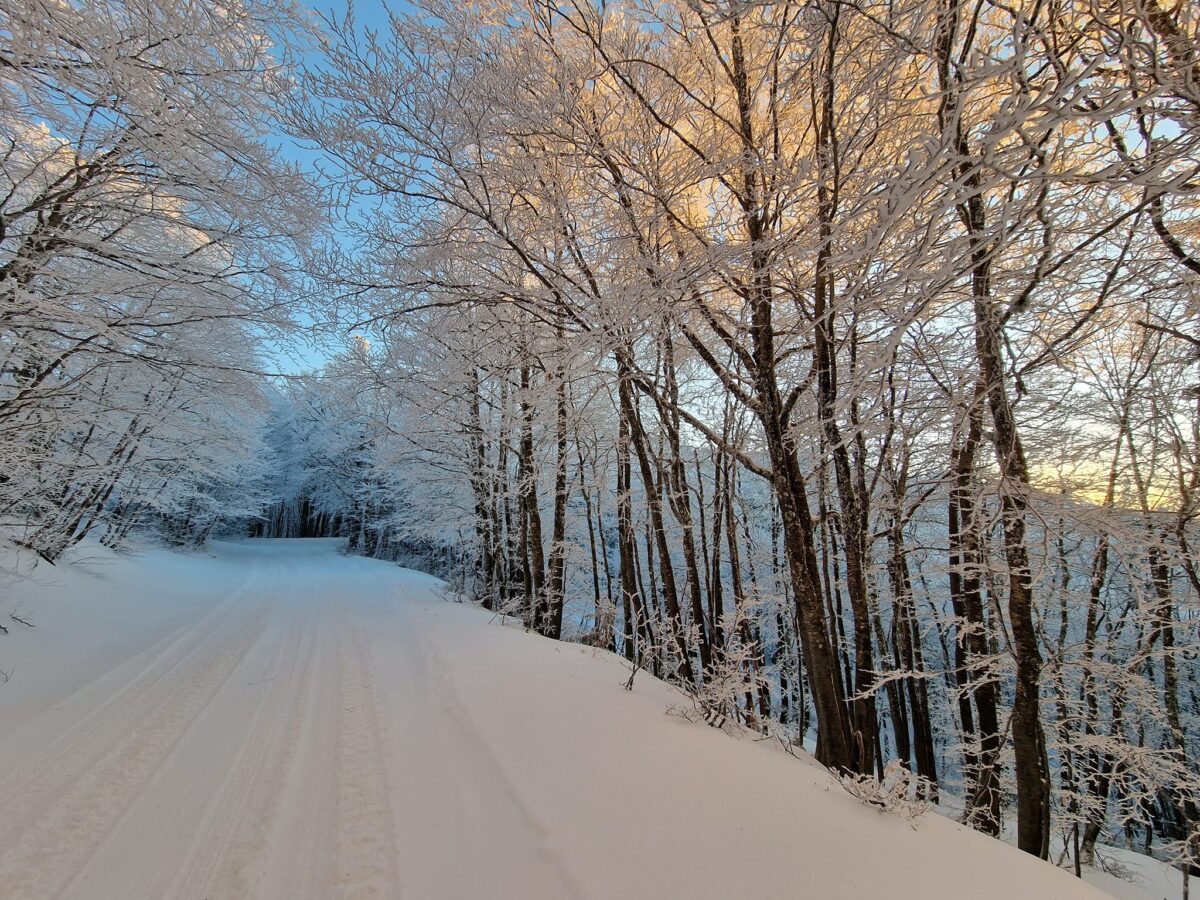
x=277, y=719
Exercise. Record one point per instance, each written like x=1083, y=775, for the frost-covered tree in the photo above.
x=848, y=351
x=148, y=233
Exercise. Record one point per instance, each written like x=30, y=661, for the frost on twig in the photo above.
x=725, y=698
x=901, y=791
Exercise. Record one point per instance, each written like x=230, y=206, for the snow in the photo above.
x=1134, y=876
x=277, y=719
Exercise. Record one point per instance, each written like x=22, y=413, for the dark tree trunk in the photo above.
x=533, y=555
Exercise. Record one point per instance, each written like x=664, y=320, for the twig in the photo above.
x=635, y=665
x=22, y=621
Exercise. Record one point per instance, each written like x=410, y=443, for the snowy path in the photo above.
x=281, y=721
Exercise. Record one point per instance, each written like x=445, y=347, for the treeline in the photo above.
x=835, y=361
x=334, y=476
x=148, y=234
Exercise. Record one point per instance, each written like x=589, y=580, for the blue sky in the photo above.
x=301, y=356
x=369, y=13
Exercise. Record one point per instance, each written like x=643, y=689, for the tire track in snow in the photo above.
x=62, y=812
x=367, y=861
x=236, y=833
x=24, y=789
x=301, y=861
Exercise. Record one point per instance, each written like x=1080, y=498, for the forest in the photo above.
x=836, y=361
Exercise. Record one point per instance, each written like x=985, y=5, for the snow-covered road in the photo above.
x=278, y=720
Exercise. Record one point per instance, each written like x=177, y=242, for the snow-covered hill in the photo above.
x=275, y=719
